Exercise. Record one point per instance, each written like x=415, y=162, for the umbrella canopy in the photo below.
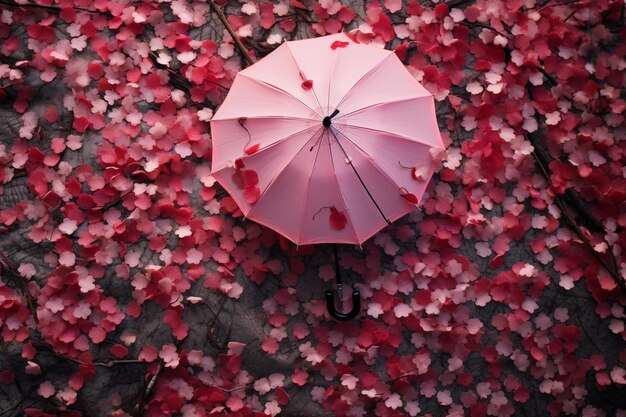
x=326, y=140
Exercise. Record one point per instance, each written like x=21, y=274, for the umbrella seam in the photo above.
x=400, y=214
x=216, y=116
x=282, y=169
x=380, y=169
x=331, y=69
x=397, y=135
x=306, y=192
x=384, y=171
x=293, y=58
x=349, y=160
x=382, y=103
x=215, y=119
x=364, y=76
x=378, y=229
x=282, y=91
x=270, y=146
x=229, y=190
x=343, y=199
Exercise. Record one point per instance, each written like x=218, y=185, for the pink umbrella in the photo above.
x=326, y=140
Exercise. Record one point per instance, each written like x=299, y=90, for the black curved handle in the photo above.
x=339, y=315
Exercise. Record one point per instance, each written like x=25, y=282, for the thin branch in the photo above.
x=112, y=363
x=180, y=82
x=11, y=271
x=564, y=3
x=229, y=390
x=573, y=225
x=410, y=372
x=484, y=26
x=571, y=222
x=53, y=8
x=454, y=3
x=211, y=328
x=138, y=409
x=112, y=203
x=43, y=345
x=230, y=30
x=549, y=77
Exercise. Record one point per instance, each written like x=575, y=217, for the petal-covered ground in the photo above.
x=132, y=285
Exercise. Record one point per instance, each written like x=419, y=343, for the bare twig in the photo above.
x=561, y=202
x=564, y=3
x=573, y=225
x=112, y=363
x=549, y=77
x=229, y=390
x=138, y=409
x=179, y=82
x=230, y=30
x=211, y=328
x=53, y=8
x=410, y=372
x=484, y=26
x=11, y=271
x=111, y=203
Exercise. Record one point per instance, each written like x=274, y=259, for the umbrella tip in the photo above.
x=328, y=119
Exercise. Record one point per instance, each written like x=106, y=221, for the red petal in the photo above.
x=411, y=198
x=420, y=173
x=350, y=35
x=281, y=396
x=239, y=163
x=497, y=261
x=250, y=178
x=401, y=50
x=252, y=194
x=338, y=44
x=537, y=353
x=441, y=10
x=85, y=201
x=119, y=351
x=95, y=70
x=252, y=149
x=307, y=84
x=337, y=219
x=238, y=179
x=35, y=155
x=68, y=14
x=51, y=199
x=80, y=124
x=297, y=4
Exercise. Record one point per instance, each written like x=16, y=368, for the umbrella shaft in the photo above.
x=338, y=280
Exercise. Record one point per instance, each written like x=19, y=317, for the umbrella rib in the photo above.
x=282, y=169
x=371, y=106
x=364, y=76
x=331, y=68
x=376, y=166
x=293, y=58
x=395, y=135
x=332, y=161
x=306, y=192
x=271, y=145
x=216, y=119
x=359, y=176
x=256, y=80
